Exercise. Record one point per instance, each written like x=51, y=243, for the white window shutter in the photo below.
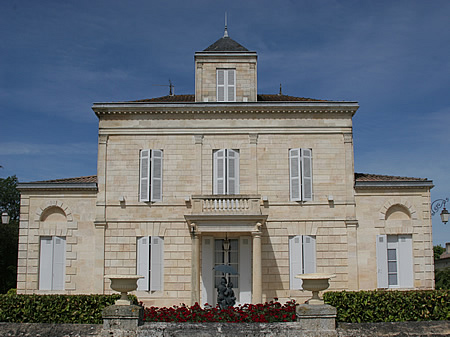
x=382, y=266
x=142, y=262
x=156, y=175
x=231, y=87
x=46, y=263
x=309, y=254
x=295, y=261
x=207, y=278
x=232, y=175
x=294, y=174
x=144, y=175
x=220, y=85
x=219, y=172
x=306, y=172
x=245, y=270
x=157, y=263
x=405, y=262
x=59, y=263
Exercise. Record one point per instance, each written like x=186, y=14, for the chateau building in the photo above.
x=262, y=183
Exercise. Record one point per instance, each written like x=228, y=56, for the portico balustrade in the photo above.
x=226, y=204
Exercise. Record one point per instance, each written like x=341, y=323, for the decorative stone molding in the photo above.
x=54, y=232
x=257, y=229
x=103, y=139
x=397, y=230
x=193, y=229
x=351, y=223
x=154, y=228
x=100, y=223
x=57, y=204
x=253, y=137
x=348, y=138
x=198, y=139
x=400, y=202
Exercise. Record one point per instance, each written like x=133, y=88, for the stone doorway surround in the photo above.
x=226, y=214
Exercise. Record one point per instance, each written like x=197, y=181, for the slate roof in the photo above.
x=260, y=98
x=169, y=99
x=285, y=98
x=226, y=44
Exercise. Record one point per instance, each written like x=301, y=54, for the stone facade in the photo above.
x=395, y=211
x=102, y=220
x=51, y=213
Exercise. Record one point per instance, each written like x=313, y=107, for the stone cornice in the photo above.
x=139, y=108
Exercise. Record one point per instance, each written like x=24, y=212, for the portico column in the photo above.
x=195, y=266
x=257, y=270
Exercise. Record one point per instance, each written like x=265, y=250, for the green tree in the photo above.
x=10, y=197
x=438, y=251
x=9, y=233
x=442, y=276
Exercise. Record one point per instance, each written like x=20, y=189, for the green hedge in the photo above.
x=362, y=306
x=390, y=306
x=80, y=309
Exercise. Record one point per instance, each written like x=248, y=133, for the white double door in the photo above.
x=238, y=256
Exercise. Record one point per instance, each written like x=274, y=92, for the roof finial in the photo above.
x=225, y=34
x=171, y=86
x=280, y=91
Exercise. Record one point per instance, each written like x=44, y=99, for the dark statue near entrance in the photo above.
x=225, y=294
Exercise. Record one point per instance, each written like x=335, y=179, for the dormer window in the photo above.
x=226, y=85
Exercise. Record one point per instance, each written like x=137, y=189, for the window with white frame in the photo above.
x=150, y=263
x=394, y=261
x=150, y=176
x=226, y=171
x=300, y=174
x=226, y=85
x=52, y=263
x=302, y=258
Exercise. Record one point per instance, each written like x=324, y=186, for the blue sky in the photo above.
x=393, y=57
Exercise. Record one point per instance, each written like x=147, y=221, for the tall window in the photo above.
x=150, y=181
x=226, y=87
x=52, y=263
x=150, y=263
x=300, y=174
x=226, y=171
x=394, y=261
x=302, y=258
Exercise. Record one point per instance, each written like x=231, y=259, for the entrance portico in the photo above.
x=220, y=217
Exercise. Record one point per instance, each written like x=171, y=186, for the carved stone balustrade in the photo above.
x=225, y=213
x=226, y=204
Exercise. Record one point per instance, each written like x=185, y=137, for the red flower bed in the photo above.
x=268, y=312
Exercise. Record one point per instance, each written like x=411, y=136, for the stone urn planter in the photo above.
x=315, y=282
x=123, y=284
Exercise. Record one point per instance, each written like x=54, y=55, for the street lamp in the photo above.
x=5, y=218
x=438, y=204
